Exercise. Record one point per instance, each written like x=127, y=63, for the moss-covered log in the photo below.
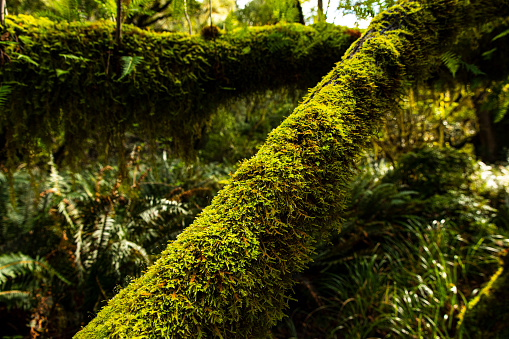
x=66, y=78
x=229, y=274
x=487, y=315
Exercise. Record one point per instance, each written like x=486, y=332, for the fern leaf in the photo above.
x=5, y=90
x=129, y=64
x=16, y=298
x=501, y=35
x=14, y=265
x=27, y=58
x=451, y=61
x=61, y=72
x=74, y=57
x=472, y=68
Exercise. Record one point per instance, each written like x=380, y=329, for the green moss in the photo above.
x=70, y=86
x=487, y=315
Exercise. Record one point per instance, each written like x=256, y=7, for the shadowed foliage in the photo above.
x=71, y=83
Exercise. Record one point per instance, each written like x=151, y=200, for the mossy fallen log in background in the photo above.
x=487, y=315
x=229, y=275
x=67, y=85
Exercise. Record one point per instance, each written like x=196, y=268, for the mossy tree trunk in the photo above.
x=179, y=81
x=487, y=315
x=229, y=274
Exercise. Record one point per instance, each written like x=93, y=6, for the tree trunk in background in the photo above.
x=187, y=18
x=210, y=12
x=2, y=12
x=486, y=143
x=301, y=14
x=321, y=16
x=119, y=21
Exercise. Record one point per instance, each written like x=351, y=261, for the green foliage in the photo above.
x=267, y=12
x=486, y=315
x=237, y=132
x=67, y=10
x=365, y=8
x=21, y=276
x=173, y=93
x=451, y=61
x=97, y=233
x=129, y=64
x=395, y=270
x=433, y=171
x=5, y=90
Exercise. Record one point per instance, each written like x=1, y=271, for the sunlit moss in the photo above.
x=487, y=315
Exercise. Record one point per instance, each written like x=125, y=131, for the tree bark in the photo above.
x=301, y=14
x=210, y=12
x=187, y=18
x=118, y=33
x=486, y=148
x=2, y=12
x=321, y=16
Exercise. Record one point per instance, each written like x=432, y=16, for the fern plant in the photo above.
x=5, y=90
x=129, y=64
x=20, y=275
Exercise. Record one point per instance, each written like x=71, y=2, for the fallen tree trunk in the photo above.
x=71, y=81
x=229, y=275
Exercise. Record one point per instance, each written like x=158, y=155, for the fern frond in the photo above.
x=129, y=64
x=501, y=35
x=15, y=265
x=451, y=61
x=16, y=298
x=159, y=206
x=27, y=59
x=109, y=6
x=5, y=90
x=74, y=57
x=472, y=68
x=67, y=10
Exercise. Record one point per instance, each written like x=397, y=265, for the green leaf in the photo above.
x=14, y=265
x=472, y=68
x=129, y=64
x=501, y=35
x=27, y=58
x=61, y=72
x=5, y=90
x=26, y=40
x=451, y=61
x=487, y=55
x=74, y=57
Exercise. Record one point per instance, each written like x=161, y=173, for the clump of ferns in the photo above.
x=110, y=228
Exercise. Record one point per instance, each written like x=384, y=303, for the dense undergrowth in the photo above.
x=70, y=241
x=411, y=253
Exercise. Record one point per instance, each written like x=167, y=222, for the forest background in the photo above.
x=427, y=218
